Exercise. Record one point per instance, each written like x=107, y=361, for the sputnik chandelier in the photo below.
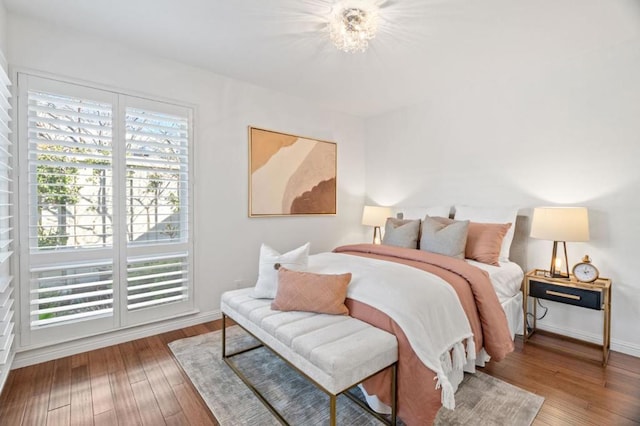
x=352, y=23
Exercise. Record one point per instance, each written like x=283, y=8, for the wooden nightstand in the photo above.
x=595, y=295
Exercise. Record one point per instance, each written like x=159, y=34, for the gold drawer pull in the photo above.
x=557, y=293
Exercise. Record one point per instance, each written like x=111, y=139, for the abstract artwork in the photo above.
x=290, y=175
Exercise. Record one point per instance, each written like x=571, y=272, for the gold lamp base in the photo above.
x=553, y=270
x=377, y=238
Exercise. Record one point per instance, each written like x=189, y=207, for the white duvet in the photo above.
x=425, y=306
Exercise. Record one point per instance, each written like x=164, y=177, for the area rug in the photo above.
x=480, y=400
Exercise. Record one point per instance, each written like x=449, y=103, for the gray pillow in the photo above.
x=401, y=233
x=444, y=236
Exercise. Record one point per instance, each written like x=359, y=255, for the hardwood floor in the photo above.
x=140, y=383
x=578, y=390
x=134, y=383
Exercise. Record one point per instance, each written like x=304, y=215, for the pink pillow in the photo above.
x=484, y=241
x=306, y=291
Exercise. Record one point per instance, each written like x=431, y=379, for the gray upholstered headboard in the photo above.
x=518, y=253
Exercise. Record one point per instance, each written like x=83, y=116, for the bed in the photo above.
x=449, y=314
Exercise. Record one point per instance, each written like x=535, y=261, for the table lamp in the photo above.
x=375, y=216
x=560, y=224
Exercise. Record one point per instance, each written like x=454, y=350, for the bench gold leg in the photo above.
x=394, y=393
x=224, y=336
x=332, y=410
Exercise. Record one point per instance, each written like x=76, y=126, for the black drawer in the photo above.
x=591, y=299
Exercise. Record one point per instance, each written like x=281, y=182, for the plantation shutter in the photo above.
x=7, y=332
x=157, y=170
x=105, y=243
x=69, y=171
x=157, y=154
x=70, y=193
x=157, y=280
x=71, y=292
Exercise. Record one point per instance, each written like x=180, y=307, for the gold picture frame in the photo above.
x=291, y=175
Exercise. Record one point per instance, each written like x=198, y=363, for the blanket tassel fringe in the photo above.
x=454, y=359
x=447, y=398
x=471, y=349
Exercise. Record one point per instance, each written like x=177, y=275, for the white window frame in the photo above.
x=120, y=252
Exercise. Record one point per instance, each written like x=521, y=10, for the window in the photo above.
x=105, y=184
x=6, y=231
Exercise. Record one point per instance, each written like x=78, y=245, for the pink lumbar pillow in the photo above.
x=484, y=241
x=306, y=291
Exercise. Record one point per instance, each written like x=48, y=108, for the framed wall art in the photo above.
x=290, y=174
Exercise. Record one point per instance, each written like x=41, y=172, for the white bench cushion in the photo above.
x=336, y=351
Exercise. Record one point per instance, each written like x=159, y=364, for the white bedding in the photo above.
x=513, y=309
x=506, y=278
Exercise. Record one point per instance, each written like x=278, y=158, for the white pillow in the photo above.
x=421, y=212
x=270, y=260
x=491, y=215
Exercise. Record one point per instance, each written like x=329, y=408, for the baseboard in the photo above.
x=35, y=356
x=616, y=345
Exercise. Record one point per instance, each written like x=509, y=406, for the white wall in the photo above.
x=563, y=129
x=227, y=241
x=3, y=27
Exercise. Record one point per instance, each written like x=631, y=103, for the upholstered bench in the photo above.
x=336, y=352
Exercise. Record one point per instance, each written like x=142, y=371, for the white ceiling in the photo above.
x=423, y=46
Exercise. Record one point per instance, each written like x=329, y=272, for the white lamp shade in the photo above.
x=375, y=215
x=560, y=223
